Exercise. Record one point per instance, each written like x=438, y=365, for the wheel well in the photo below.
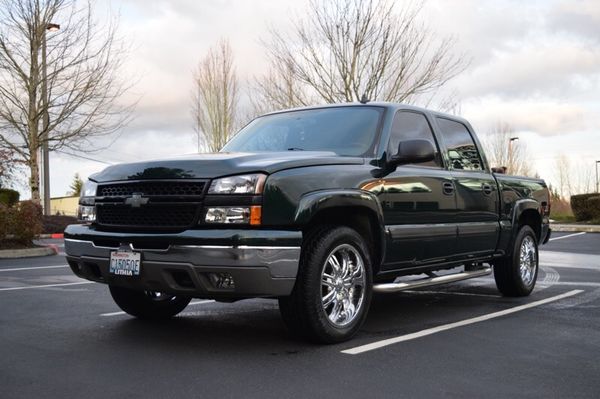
x=531, y=218
x=361, y=219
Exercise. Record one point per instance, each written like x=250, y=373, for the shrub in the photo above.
x=27, y=222
x=586, y=206
x=57, y=223
x=561, y=210
x=5, y=221
x=9, y=197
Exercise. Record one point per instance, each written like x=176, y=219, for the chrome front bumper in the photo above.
x=257, y=271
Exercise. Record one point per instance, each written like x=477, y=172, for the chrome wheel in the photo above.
x=343, y=283
x=527, y=261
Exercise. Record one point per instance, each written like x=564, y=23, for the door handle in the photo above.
x=448, y=188
x=487, y=189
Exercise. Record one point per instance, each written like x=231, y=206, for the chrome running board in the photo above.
x=426, y=282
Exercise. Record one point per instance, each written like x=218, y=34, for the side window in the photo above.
x=410, y=125
x=462, y=150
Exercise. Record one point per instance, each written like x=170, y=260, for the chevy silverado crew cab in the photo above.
x=316, y=207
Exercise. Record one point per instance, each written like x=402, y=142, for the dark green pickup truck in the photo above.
x=316, y=207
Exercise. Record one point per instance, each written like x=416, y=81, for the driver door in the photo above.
x=419, y=205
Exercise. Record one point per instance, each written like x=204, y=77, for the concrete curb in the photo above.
x=53, y=235
x=27, y=252
x=588, y=228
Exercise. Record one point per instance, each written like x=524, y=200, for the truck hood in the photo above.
x=208, y=166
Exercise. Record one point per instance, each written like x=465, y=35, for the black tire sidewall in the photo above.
x=521, y=287
x=314, y=263
x=138, y=304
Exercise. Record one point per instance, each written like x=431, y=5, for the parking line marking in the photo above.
x=567, y=236
x=32, y=268
x=189, y=304
x=575, y=283
x=28, y=287
x=390, y=341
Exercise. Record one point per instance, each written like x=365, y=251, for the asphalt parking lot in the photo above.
x=62, y=337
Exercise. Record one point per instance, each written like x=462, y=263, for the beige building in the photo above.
x=64, y=206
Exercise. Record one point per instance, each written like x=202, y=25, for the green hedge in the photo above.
x=586, y=206
x=9, y=197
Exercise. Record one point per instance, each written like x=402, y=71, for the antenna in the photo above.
x=364, y=99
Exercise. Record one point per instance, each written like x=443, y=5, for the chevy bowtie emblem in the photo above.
x=136, y=200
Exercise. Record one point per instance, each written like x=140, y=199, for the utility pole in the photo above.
x=46, y=122
x=597, y=183
x=510, y=165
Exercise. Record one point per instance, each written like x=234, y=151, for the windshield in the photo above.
x=349, y=131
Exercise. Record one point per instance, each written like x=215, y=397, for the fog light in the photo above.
x=222, y=280
x=86, y=213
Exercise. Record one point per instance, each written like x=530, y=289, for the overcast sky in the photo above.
x=534, y=64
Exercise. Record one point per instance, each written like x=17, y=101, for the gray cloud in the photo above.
x=559, y=70
x=534, y=64
x=578, y=18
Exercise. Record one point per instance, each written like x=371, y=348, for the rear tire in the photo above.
x=149, y=305
x=516, y=274
x=332, y=294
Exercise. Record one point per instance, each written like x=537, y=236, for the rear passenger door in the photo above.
x=476, y=190
x=418, y=208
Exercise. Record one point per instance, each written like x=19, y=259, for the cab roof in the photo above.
x=382, y=104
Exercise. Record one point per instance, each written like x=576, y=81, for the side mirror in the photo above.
x=413, y=151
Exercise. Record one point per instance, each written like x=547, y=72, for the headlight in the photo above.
x=242, y=184
x=86, y=212
x=89, y=189
x=234, y=214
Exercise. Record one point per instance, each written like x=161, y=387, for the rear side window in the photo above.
x=462, y=150
x=409, y=126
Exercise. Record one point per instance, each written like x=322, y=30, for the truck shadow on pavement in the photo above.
x=216, y=328
x=254, y=326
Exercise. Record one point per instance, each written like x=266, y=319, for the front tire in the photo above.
x=516, y=274
x=333, y=289
x=149, y=305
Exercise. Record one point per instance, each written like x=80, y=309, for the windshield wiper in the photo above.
x=295, y=149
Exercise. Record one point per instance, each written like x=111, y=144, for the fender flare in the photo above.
x=521, y=206
x=312, y=203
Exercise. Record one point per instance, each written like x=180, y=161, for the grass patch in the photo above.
x=563, y=217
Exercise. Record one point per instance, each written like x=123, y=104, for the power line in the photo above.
x=84, y=157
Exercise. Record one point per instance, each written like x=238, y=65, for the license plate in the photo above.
x=125, y=263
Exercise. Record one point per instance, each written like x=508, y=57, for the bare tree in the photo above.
x=450, y=104
x=584, y=178
x=574, y=178
x=57, y=88
x=563, y=177
x=502, y=151
x=7, y=167
x=278, y=89
x=215, y=98
x=343, y=50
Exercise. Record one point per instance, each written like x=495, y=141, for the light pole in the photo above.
x=510, y=165
x=597, y=183
x=46, y=122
